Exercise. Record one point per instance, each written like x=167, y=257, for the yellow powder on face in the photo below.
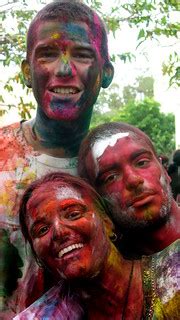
x=97, y=84
x=65, y=57
x=148, y=214
x=56, y=36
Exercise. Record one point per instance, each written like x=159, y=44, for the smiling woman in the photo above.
x=61, y=223
x=65, y=222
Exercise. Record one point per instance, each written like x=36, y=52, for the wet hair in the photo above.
x=102, y=131
x=64, y=180
x=71, y=11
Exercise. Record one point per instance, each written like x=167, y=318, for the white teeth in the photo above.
x=70, y=248
x=65, y=90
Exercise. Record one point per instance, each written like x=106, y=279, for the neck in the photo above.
x=158, y=238
x=113, y=289
x=56, y=137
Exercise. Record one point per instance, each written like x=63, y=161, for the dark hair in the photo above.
x=106, y=130
x=71, y=11
x=64, y=179
x=176, y=157
x=174, y=173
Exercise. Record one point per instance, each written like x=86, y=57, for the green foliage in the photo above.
x=147, y=116
x=172, y=69
x=144, y=114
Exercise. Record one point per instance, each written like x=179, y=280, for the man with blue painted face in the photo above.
x=67, y=63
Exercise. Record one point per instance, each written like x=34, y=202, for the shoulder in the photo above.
x=165, y=268
x=161, y=283
x=13, y=146
x=9, y=134
x=54, y=304
x=10, y=129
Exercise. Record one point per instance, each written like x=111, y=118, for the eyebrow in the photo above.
x=72, y=204
x=115, y=165
x=140, y=152
x=105, y=169
x=45, y=45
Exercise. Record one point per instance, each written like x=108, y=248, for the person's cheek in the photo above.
x=42, y=247
x=92, y=76
x=40, y=80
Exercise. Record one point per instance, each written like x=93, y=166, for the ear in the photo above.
x=25, y=67
x=109, y=226
x=167, y=176
x=108, y=73
x=164, y=170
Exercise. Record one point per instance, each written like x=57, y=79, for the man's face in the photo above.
x=127, y=173
x=66, y=69
x=67, y=233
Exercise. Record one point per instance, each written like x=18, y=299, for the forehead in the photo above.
x=75, y=31
x=101, y=144
x=57, y=192
x=116, y=142
x=52, y=190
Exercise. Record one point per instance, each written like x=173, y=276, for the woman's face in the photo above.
x=68, y=235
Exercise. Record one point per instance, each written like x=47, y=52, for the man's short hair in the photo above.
x=71, y=11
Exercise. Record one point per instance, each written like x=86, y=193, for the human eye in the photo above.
x=143, y=163
x=108, y=178
x=74, y=212
x=47, y=54
x=84, y=55
x=40, y=231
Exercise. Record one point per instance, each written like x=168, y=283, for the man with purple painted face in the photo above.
x=66, y=65
x=120, y=161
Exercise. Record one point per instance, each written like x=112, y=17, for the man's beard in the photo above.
x=126, y=221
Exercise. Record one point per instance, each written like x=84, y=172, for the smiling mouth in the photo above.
x=69, y=249
x=65, y=91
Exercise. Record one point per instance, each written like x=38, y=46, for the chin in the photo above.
x=65, y=115
x=75, y=273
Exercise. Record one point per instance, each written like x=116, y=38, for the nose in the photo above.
x=133, y=179
x=64, y=67
x=61, y=232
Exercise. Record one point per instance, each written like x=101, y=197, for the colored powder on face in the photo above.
x=63, y=193
x=97, y=38
x=148, y=214
x=101, y=145
x=65, y=57
x=56, y=35
x=77, y=32
x=70, y=31
x=97, y=84
x=163, y=181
